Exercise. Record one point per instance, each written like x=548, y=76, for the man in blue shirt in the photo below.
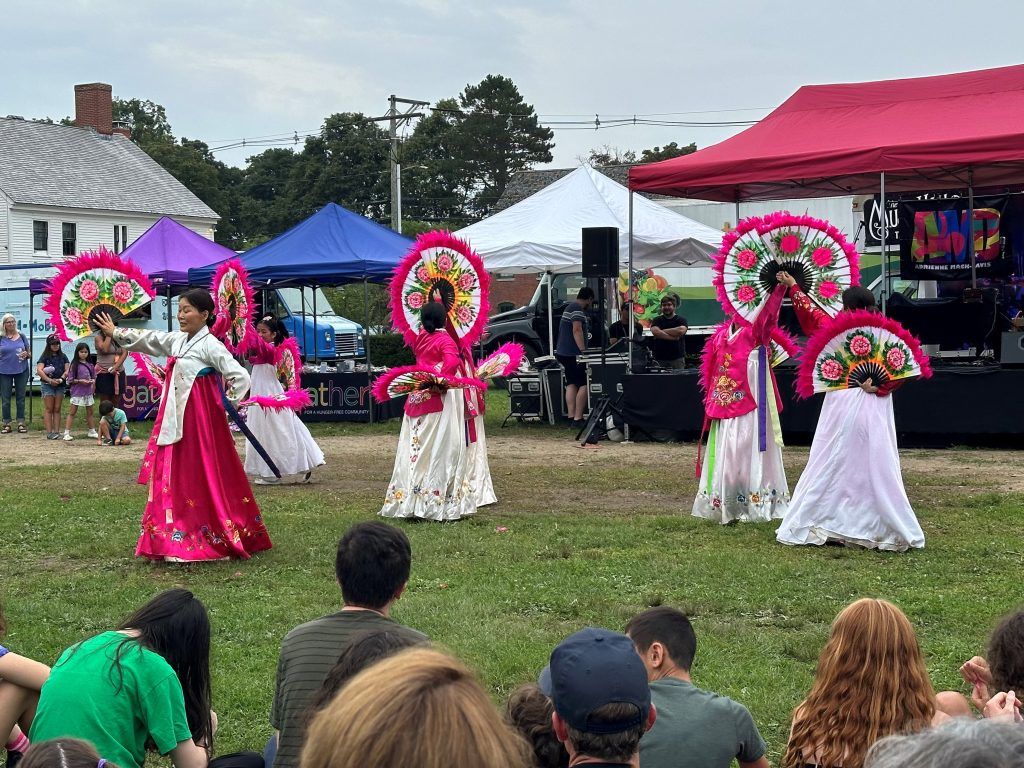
x=573, y=334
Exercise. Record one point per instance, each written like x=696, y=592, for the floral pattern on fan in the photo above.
x=855, y=347
x=94, y=282
x=286, y=364
x=418, y=383
x=823, y=262
x=234, y=299
x=505, y=360
x=441, y=265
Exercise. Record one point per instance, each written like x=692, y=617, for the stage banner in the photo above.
x=140, y=399
x=934, y=242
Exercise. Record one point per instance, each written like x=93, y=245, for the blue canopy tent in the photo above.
x=334, y=246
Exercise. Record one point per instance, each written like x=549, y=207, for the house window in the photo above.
x=120, y=237
x=40, y=236
x=68, y=234
x=506, y=306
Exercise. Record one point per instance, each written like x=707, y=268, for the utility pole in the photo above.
x=395, y=121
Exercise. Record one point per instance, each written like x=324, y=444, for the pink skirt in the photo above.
x=200, y=505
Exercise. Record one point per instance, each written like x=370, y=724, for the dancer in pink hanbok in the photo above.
x=199, y=505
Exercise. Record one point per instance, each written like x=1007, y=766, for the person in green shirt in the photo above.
x=695, y=728
x=123, y=691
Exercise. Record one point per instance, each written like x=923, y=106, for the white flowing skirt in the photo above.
x=282, y=433
x=737, y=481
x=480, y=469
x=431, y=479
x=852, y=488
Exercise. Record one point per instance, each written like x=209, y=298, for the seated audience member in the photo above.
x=365, y=651
x=20, y=682
x=1002, y=672
x=871, y=682
x=602, y=701
x=64, y=753
x=372, y=567
x=959, y=743
x=529, y=711
x=417, y=709
x=695, y=728
x=147, y=683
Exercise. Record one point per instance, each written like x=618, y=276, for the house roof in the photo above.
x=69, y=167
x=526, y=183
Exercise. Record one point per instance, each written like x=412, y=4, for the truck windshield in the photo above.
x=564, y=288
x=292, y=297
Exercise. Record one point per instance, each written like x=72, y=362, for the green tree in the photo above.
x=436, y=185
x=667, y=152
x=501, y=135
x=146, y=119
x=265, y=207
x=347, y=163
x=609, y=155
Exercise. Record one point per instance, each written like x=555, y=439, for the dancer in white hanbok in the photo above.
x=851, y=490
x=276, y=425
x=432, y=474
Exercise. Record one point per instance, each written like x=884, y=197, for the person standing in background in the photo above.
x=669, y=331
x=573, y=336
x=110, y=378
x=14, y=355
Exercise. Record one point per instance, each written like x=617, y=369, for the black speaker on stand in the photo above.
x=601, y=260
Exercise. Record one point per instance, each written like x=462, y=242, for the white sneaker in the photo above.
x=92, y=433
x=267, y=481
x=67, y=437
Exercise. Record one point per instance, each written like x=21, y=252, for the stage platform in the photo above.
x=959, y=405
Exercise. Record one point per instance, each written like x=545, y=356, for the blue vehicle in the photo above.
x=309, y=318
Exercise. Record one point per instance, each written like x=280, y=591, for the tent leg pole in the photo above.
x=970, y=229
x=169, y=328
x=31, y=346
x=737, y=222
x=885, y=238
x=366, y=341
x=316, y=340
x=305, y=341
x=629, y=297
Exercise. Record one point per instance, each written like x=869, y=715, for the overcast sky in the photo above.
x=227, y=69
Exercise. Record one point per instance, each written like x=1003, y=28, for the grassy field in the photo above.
x=593, y=536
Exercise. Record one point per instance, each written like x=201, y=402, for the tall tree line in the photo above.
x=457, y=159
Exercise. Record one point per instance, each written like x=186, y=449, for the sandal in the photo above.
x=22, y=429
x=6, y=430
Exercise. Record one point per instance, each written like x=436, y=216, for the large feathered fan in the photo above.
x=504, y=360
x=149, y=369
x=234, y=300
x=418, y=383
x=94, y=282
x=294, y=397
x=823, y=262
x=857, y=346
x=441, y=264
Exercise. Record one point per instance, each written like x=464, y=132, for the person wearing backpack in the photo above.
x=14, y=355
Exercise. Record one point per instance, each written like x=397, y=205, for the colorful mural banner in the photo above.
x=935, y=237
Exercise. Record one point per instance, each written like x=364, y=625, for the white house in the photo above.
x=67, y=189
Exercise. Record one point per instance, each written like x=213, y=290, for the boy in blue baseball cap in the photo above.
x=598, y=685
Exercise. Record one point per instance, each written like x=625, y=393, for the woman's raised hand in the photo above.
x=104, y=323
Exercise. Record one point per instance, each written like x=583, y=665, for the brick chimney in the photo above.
x=94, y=107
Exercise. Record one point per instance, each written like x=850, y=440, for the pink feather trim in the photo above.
x=292, y=345
x=709, y=355
x=67, y=271
x=438, y=239
x=223, y=323
x=787, y=342
x=515, y=352
x=845, y=321
x=382, y=382
x=764, y=224
x=146, y=367
x=292, y=399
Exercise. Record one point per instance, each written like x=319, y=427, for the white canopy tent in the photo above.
x=543, y=232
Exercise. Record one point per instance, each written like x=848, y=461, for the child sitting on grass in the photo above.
x=113, y=425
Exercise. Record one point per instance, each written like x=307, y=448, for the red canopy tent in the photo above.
x=923, y=133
